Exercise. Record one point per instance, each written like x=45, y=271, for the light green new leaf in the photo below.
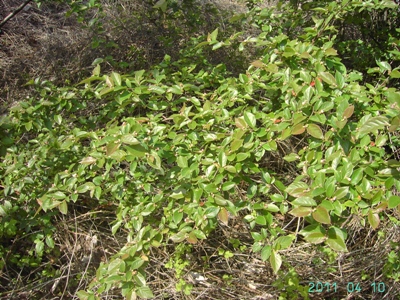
x=63, y=207
x=394, y=201
x=213, y=36
x=276, y=261
x=395, y=74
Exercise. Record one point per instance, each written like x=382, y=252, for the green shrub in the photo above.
x=179, y=149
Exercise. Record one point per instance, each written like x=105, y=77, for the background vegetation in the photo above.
x=200, y=150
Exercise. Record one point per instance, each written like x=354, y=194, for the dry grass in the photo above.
x=42, y=42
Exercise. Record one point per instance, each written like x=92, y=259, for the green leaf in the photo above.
x=220, y=201
x=276, y=261
x=373, y=219
x=271, y=207
x=304, y=201
x=242, y=156
x=298, y=129
x=373, y=124
x=250, y=119
x=116, y=78
x=162, y=4
x=175, y=89
x=298, y=189
x=230, y=169
x=301, y=211
x=331, y=52
x=217, y=45
x=136, y=264
x=315, y=131
x=395, y=74
x=321, y=215
x=58, y=195
x=88, y=160
x=156, y=89
x=63, y=207
x=394, y=97
x=236, y=144
x=179, y=237
x=118, y=155
x=384, y=65
x=115, y=227
x=283, y=242
x=328, y=78
x=129, y=139
x=49, y=242
x=83, y=295
x=266, y=252
x=341, y=192
x=223, y=216
x=315, y=237
x=260, y=220
x=291, y=157
x=96, y=70
x=83, y=188
x=154, y=160
x=222, y=159
x=288, y=52
x=112, y=147
x=58, y=119
x=240, y=123
x=144, y=292
x=348, y=112
x=227, y=186
x=336, y=239
x=212, y=212
x=39, y=247
x=136, y=150
x=394, y=201
x=339, y=79
x=213, y=36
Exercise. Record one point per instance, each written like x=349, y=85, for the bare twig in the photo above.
x=11, y=15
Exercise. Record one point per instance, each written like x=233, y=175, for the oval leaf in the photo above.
x=321, y=215
x=315, y=131
x=373, y=219
x=276, y=261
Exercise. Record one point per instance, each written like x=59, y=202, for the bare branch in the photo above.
x=11, y=15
